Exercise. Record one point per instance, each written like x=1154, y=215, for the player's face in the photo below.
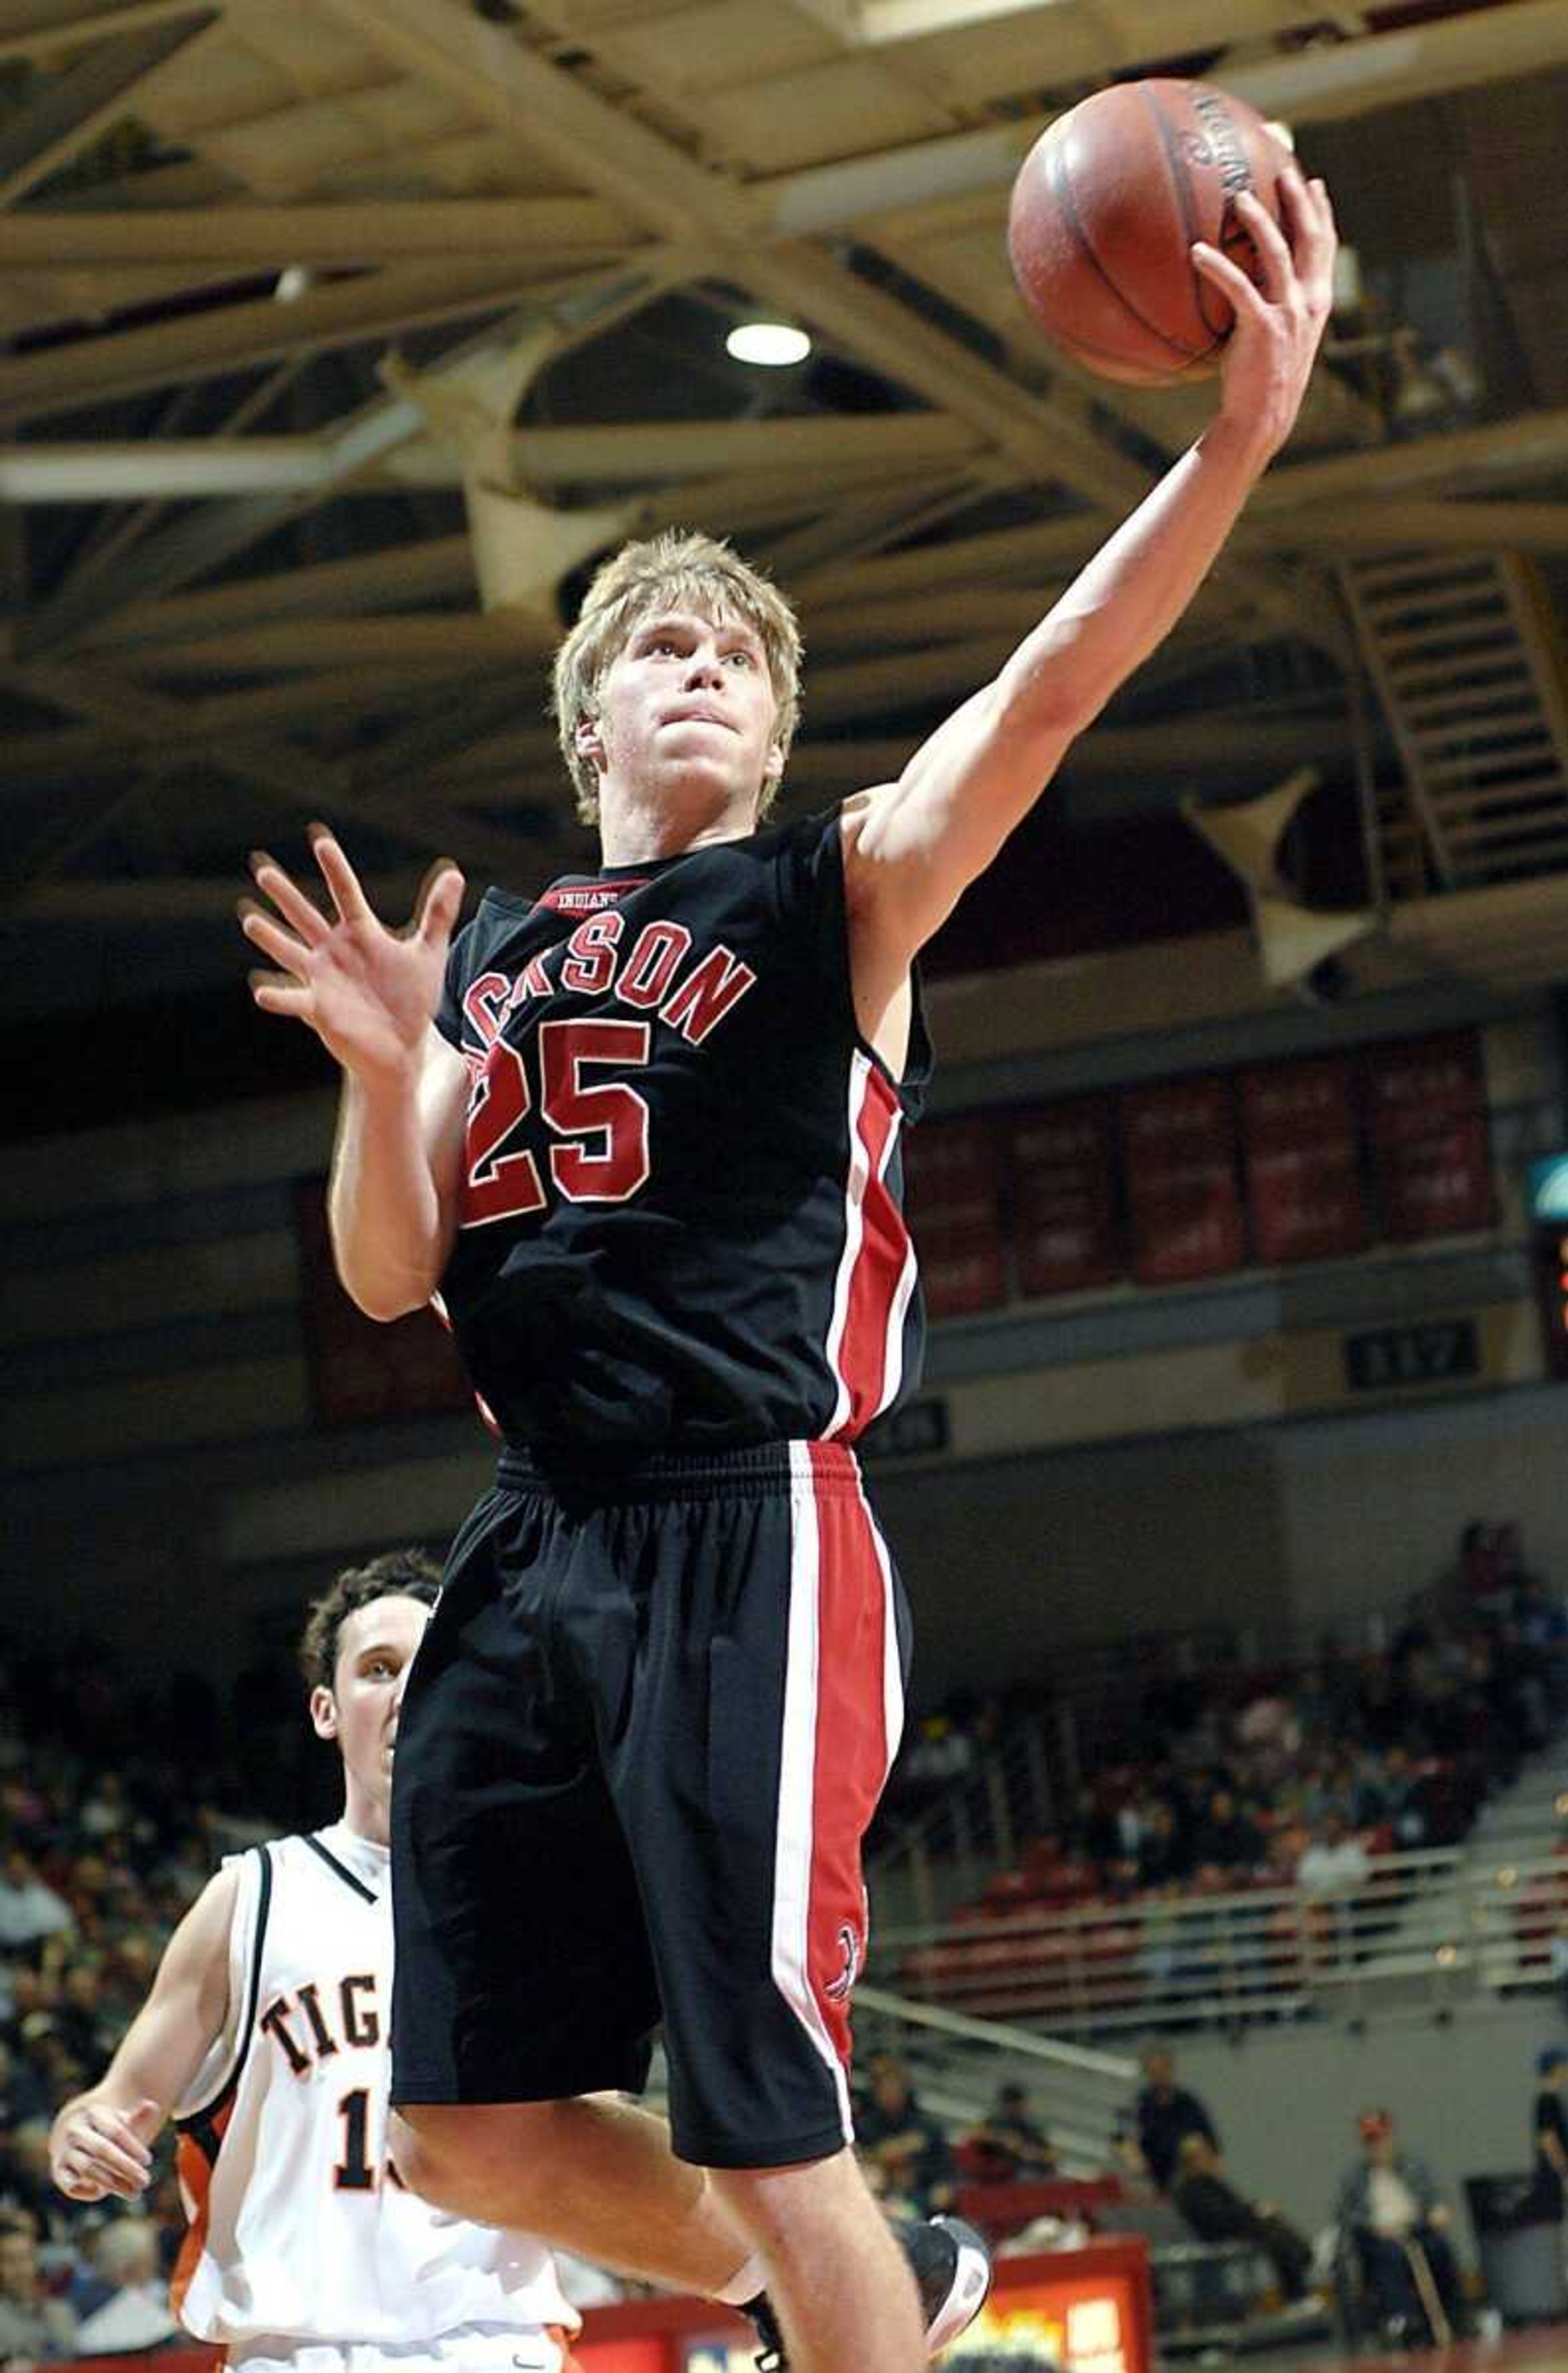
x=686, y=713
x=375, y=1649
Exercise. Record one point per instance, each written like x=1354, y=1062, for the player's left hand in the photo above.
x=1279, y=320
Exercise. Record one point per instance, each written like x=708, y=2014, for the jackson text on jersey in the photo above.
x=680, y=1210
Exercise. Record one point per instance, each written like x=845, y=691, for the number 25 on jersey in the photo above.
x=603, y=1155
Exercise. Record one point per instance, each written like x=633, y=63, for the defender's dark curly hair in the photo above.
x=396, y=1574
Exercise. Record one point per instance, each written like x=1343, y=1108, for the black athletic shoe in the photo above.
x=952, y=2267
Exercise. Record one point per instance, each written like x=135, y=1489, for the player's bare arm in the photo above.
x=368, y=993
x=913, y=846
x=100, y=2142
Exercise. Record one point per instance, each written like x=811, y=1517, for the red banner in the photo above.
x=960, y=1270
x=1179, y=1142
x=1298, y=1104
x=361, y=1370
x=1305, y=1193
x=1415, y=1085
x=1427, y=1111
x=954, y=1211
x=1062, y=1165
x=1440, y=1184
x=1307, y=1202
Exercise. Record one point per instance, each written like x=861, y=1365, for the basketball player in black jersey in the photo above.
x=648, y=1153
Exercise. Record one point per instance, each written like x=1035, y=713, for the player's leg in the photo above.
x=595, y=2175
x=770, y=1682
x=523, y=1983
x=838, y=2281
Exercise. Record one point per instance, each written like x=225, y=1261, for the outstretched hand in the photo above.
x=1279, y=320
x=95, y=2150
x=368, y=993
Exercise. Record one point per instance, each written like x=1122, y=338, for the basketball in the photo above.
x=1105, y=211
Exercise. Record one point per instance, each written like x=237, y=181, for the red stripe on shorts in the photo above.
x=843, y=1703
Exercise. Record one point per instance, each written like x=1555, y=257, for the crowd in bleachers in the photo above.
x=1227, y=1782
x=1213, y=1769
x=113, y=1808
x=1380, y=2261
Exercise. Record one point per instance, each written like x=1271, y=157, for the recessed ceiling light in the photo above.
x=773, y=343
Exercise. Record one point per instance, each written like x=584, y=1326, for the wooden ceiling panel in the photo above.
x=1082, y=43
x=713, y=47
x=294, y=154
x=316, y=54
x=664, y=115
x=222, y=81
x=842, y=109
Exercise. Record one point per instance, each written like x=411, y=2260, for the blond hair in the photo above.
x=678, y=568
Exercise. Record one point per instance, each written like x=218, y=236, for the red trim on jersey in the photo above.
x=194, y=2168
x=486, y=1414
x=853, y=1751
x=860, y=1358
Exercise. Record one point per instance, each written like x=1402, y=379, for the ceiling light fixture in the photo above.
x=774, y=344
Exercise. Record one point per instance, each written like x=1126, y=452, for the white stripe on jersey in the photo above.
x=855, y=1186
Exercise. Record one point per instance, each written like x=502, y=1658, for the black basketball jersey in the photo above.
x=680, y=1222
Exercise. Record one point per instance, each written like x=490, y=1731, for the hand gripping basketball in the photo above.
x=368, y=992
x=1279, y=320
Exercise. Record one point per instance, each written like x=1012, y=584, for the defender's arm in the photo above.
x=99, y=2143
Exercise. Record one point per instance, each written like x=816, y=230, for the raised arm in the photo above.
x=101, y=2141
x=369, y=994
x=913, y=846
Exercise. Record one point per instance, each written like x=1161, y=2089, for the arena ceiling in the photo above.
x=339, y=339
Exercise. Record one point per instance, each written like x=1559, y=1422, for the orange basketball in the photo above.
x=1105, y=211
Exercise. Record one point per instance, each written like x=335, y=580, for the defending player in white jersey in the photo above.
x=266, y=2037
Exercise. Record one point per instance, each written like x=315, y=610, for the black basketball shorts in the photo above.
x=640, y=1746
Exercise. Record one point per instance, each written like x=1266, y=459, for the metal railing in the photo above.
x=1428, y=1932
x=925, y=1865
x=958, y=2061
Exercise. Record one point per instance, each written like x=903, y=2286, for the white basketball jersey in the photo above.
x=300, y=2230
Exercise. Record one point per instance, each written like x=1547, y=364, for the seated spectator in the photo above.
x=82, y=2017
x=1008, y=2146
x=1163, y=2111
x=1550, y=2132
x=1336, y=1863
x=1406, y=1801
x=29, y=1910
x=22, y=2094
x=895, y=2135
x=136, y=2314
x=26, y=2184
x=1163, y=1852
x=1213, y=2210
x=1268, y=1731
x=1387, y=2204
x=34, y=2328
x=1225, y=1838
